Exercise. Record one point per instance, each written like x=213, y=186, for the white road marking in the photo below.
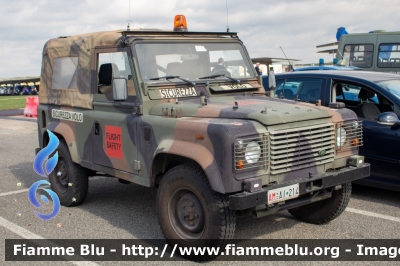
x=13, y=192
x=20, y=191
x=373, y=214
x=22, y=232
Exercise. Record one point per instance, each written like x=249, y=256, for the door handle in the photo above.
x=96, y=128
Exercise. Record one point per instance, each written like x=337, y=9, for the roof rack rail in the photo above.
x=166, y=32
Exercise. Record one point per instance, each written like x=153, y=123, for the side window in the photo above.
x=279, y=84
x=364, y=101
x=350, y=94
x=359, y=55
x=304, y=89
x=64, y=73
x=389, y=55
x=113, y=65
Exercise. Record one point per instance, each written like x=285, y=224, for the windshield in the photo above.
x=391, y=85
x=192, y=61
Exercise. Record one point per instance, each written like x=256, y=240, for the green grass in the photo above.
x=12, y=102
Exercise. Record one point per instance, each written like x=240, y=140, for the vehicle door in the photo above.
x=114, y=122
x=381, y=143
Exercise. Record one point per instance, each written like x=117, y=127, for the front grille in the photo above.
x=297, y=148
x=241, y=146
x=354, y=136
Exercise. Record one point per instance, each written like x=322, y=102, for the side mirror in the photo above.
x=388, y=118
x=119, y=89
x=271, y=83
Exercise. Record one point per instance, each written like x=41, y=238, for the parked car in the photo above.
x=9, y=90
x=325, y=67
x=26, y=90
x=34, y=90
x=17, y=89
x=4, y=91
x=373, y=96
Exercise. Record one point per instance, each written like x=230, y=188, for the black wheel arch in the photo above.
x=163, y=162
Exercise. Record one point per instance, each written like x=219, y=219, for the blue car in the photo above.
x=373, y=96
x=325, y=67
x=18, y=89
x=26, y=90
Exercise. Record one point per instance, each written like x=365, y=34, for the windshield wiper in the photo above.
x=175, y=77
x=220, y=75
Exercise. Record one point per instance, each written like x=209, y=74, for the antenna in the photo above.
x=343, y=61
x=287, y=58
x=227, y=15
x=339, y=52
x=128, y=28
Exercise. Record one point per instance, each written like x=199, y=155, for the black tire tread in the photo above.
x=80, y=179
x=227, y=223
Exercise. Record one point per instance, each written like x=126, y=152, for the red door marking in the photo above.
x=113, y=142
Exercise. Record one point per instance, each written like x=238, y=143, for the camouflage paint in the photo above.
x=158, y=132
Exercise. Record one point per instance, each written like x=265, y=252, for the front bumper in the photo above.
x=246, y=200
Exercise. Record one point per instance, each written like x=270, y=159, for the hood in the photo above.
x=266, y=110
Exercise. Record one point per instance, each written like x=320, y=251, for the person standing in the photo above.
x=220, y=66
x=258, y=70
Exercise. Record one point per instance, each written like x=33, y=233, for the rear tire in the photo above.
x=69, y=180
x=190, y=213
x=324, y=211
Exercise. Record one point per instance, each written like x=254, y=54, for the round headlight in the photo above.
x=253, y=152
x=340, y=136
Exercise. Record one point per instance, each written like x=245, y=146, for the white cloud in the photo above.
x=263, y=26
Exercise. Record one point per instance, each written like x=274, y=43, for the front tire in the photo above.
x=324, y=211
x=69, y=180
x=190, y=213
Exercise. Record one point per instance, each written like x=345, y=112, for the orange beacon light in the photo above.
x=180, y=23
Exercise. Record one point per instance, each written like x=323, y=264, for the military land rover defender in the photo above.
x=186, y=112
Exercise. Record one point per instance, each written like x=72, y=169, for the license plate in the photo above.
x=283, y=193
x=236, y=86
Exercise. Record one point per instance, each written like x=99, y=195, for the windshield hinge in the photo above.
x=173, y=112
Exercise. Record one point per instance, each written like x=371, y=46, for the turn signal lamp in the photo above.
x=354, y=142
x=180, y=23
x=239, y=164
x=200, y=136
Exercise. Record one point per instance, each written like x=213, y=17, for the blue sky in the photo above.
x=263, y=25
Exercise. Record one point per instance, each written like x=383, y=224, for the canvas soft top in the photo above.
x=70, y=88
x=66, y=65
